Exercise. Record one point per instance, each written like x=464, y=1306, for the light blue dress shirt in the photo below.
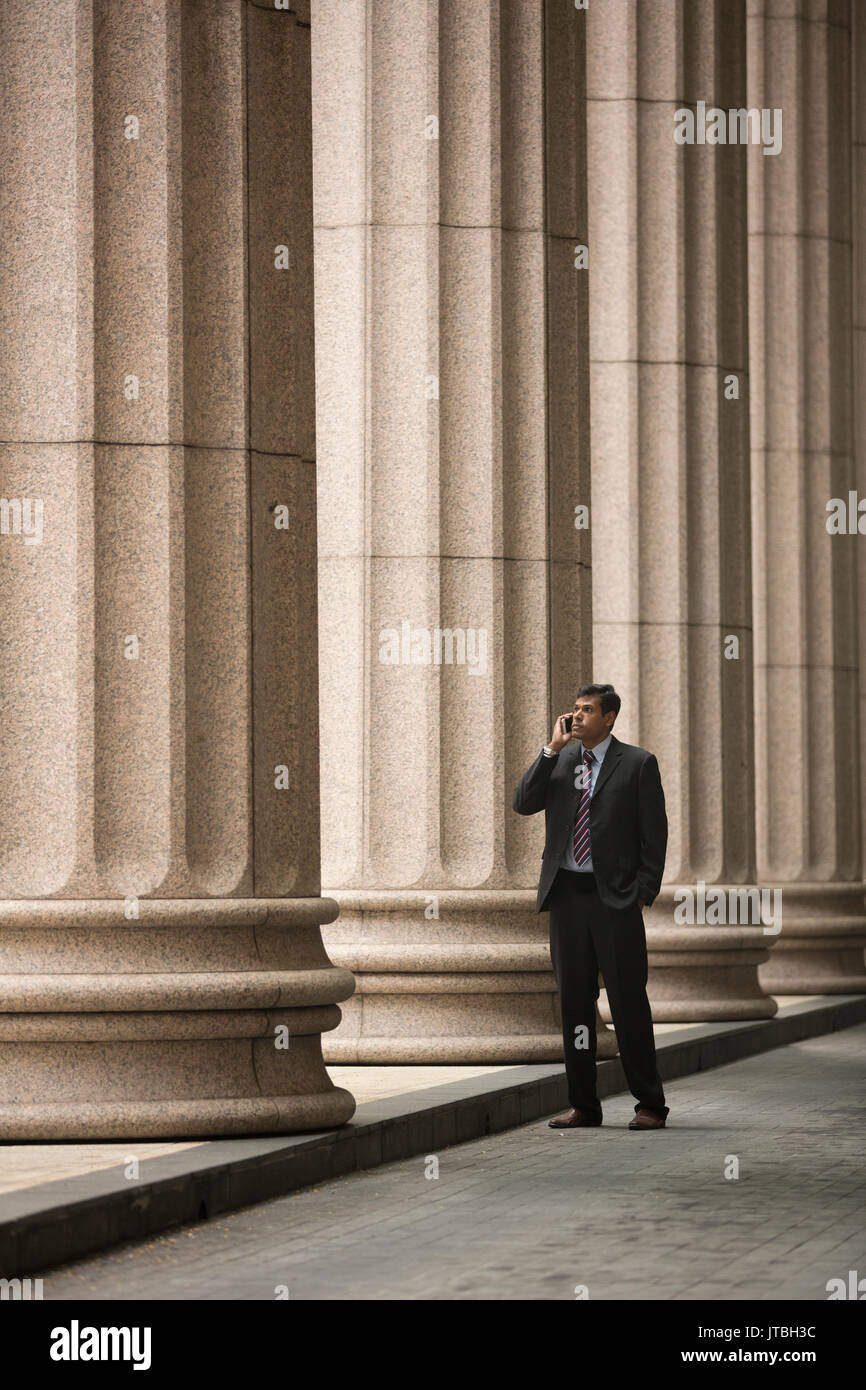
x=567, y=861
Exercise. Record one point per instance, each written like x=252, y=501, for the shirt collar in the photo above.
x=600, y=749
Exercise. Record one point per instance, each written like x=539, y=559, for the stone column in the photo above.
x=858, y=236
x=162, y=965
x=670, y=472
x=452, y=425
x=806, y=658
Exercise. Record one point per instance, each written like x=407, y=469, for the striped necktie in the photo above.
x=581, y=820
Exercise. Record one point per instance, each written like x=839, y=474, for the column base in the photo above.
x=703, y=973
x=471, y=985
x=426, y=986
x=198, y=1018
x=820, y=949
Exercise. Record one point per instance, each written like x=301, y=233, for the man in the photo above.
x=603, y=860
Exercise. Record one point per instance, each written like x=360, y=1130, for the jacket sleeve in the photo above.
x=530, y=794
x=653, y=827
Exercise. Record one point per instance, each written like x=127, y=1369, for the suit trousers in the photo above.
x=586, y=937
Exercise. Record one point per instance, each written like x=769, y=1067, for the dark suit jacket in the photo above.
x=628, y=827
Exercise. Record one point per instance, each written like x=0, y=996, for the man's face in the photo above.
x=588, y=723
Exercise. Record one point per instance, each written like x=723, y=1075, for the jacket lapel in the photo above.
x=611, y=758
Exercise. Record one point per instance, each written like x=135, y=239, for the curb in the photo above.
x=55, y=1222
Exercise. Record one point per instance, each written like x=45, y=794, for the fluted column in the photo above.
x=453, y=447
x=161, y=963
x=670, y=472
x=806, y=662
x=858, y=236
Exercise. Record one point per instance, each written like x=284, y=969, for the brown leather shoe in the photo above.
x=647, y=1119
x=573, y=1119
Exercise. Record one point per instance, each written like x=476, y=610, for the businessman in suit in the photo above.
x=604, y=855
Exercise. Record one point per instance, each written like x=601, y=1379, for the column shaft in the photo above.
x=670, y=469
x=806, y=662
x=454, y=452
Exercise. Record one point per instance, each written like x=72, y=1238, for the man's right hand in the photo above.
x=560, y=736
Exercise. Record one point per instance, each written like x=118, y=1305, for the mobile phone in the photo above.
x=566, y=723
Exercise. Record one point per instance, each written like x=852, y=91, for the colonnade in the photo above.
x=679, y=563
x=371, y=374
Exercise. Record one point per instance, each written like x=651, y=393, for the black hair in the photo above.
x=610, y=701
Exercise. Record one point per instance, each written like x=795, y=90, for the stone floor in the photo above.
x=533, y=1213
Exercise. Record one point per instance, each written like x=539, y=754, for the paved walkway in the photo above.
x=533, y=1213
